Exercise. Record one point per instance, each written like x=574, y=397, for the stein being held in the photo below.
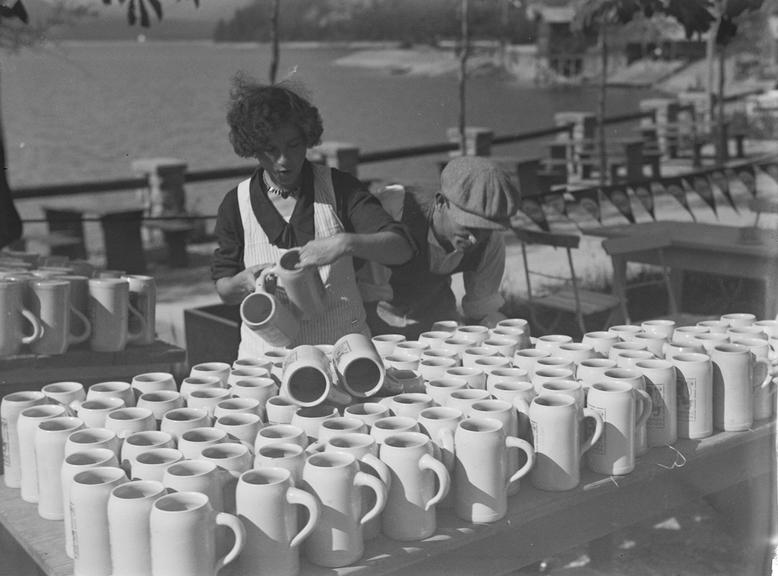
x=302, y=286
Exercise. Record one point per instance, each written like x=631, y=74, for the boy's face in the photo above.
x=457, y=236
x=284, y=156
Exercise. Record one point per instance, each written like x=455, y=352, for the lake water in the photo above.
x=83, y=111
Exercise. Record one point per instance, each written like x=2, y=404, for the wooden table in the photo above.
x=537, y=525
x=702, y=247
x=31, y=371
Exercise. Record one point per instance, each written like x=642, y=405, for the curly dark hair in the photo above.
x=255, y=111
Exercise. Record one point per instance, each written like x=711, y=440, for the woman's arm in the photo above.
x=233, y=289
x=385, y=247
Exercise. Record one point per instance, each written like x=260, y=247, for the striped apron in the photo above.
x=345, y=313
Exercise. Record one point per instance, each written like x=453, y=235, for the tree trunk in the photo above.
x=274, y=40
x=601, y=146
x=10, y=222
x=463, y=54
x=721, y=139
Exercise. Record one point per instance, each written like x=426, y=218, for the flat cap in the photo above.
x=479, y=193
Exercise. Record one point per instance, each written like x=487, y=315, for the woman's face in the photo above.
x=284, y=156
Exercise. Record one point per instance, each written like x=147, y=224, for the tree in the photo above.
x=15, y=33
x=593, y=17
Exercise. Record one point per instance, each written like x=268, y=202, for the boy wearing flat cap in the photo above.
x=455, y=230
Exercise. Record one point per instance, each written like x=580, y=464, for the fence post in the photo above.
x=341, y=155
x=478, y=140
x=166, y=176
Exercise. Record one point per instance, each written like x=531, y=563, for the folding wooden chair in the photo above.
x=570, y=297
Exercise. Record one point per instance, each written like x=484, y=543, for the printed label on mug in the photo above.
x=74, y=530
x=343, y=348
x=687, y=402
x=599, y=447
x=656, y=391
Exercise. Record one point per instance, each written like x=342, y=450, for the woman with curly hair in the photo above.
x=290, y=202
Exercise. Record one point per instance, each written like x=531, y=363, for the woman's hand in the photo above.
x=323, y=251
x=233, y=290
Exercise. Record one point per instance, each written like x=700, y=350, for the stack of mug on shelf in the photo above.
x=49, y=309
x=370, y=436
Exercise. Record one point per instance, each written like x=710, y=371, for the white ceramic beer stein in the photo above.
x=358, y=365
x=280, y=434
x=365, y=449
x=11, y=407
x=280, y=410
x=152, y=463
x=88, y=438
x=307, y=376
x=627, y=358
x=240, y=426
x=153, y=382
x=50, y=303
x=89, y=493
x=550, y=342
x=694, y=395
x=480, y=475
x=367, y=412
x=408, y=404
x=334, y=478
x=201, y=476
x=270, y=318
x=237, y=374
x=559, y=445
x=266, y=502
x=284, y=455
x=660, y=378
x=177, y=421
x=109, y=312
x=206, y=399
x=142, y=441
x=27, y=426
x=439, y=423
x=440, y=388
x=310, y=418
x=738, y=319
x=473, y=332
x=410, y=512
x=94, y=412
x=653, y=341
x=525, y=358
x=507, y=415
x=50, y=437
x=72, y=465
x=385, y=343
x=637, y=381
x=733, y=391
x=389, y=425
x=161, y=402
x=220, y=370
x=183, y=536
x=112, y=389
x=64, y=393
x=259, y=388
x=623, y=409
x=125, y=421
x=762, y=378
x=129, y=509
x=661, y=327
x=473, y=377
x=192, y=442
x=16, y=315
x=600, y=341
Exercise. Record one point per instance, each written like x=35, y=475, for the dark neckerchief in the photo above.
x=300, y=228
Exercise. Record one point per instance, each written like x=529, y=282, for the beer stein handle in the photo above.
x=647, y=404
x=309, y=501
x=233, y=523
x=598, y=428
x=37, y=328
x=133, y=336
x=526, y=447
x=428, y=462
x=363, y=479
x=86, y=332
